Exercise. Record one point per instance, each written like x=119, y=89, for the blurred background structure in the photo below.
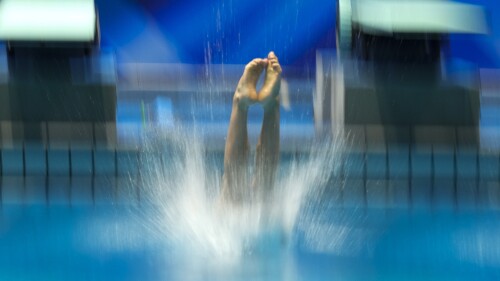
x=418, y=80
x=82, y=78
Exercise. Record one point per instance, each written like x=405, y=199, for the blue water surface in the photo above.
x=328, y=243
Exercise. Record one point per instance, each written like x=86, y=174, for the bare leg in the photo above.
x=268, y=147
x=235, y=179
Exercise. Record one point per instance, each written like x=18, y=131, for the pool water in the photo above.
x=331, y=243
x=166, y=225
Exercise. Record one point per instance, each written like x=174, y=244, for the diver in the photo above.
x=236, y=183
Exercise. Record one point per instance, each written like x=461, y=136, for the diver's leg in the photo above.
x=268, y=147
x=235, y=177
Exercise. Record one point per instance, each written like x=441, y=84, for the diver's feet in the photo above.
x=269, y=94
x=246, y=92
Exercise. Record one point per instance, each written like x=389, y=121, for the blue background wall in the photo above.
x=234, y=31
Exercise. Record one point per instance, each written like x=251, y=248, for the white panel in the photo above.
x=47, y=20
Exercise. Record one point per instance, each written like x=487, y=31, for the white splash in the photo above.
x=183, y=183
